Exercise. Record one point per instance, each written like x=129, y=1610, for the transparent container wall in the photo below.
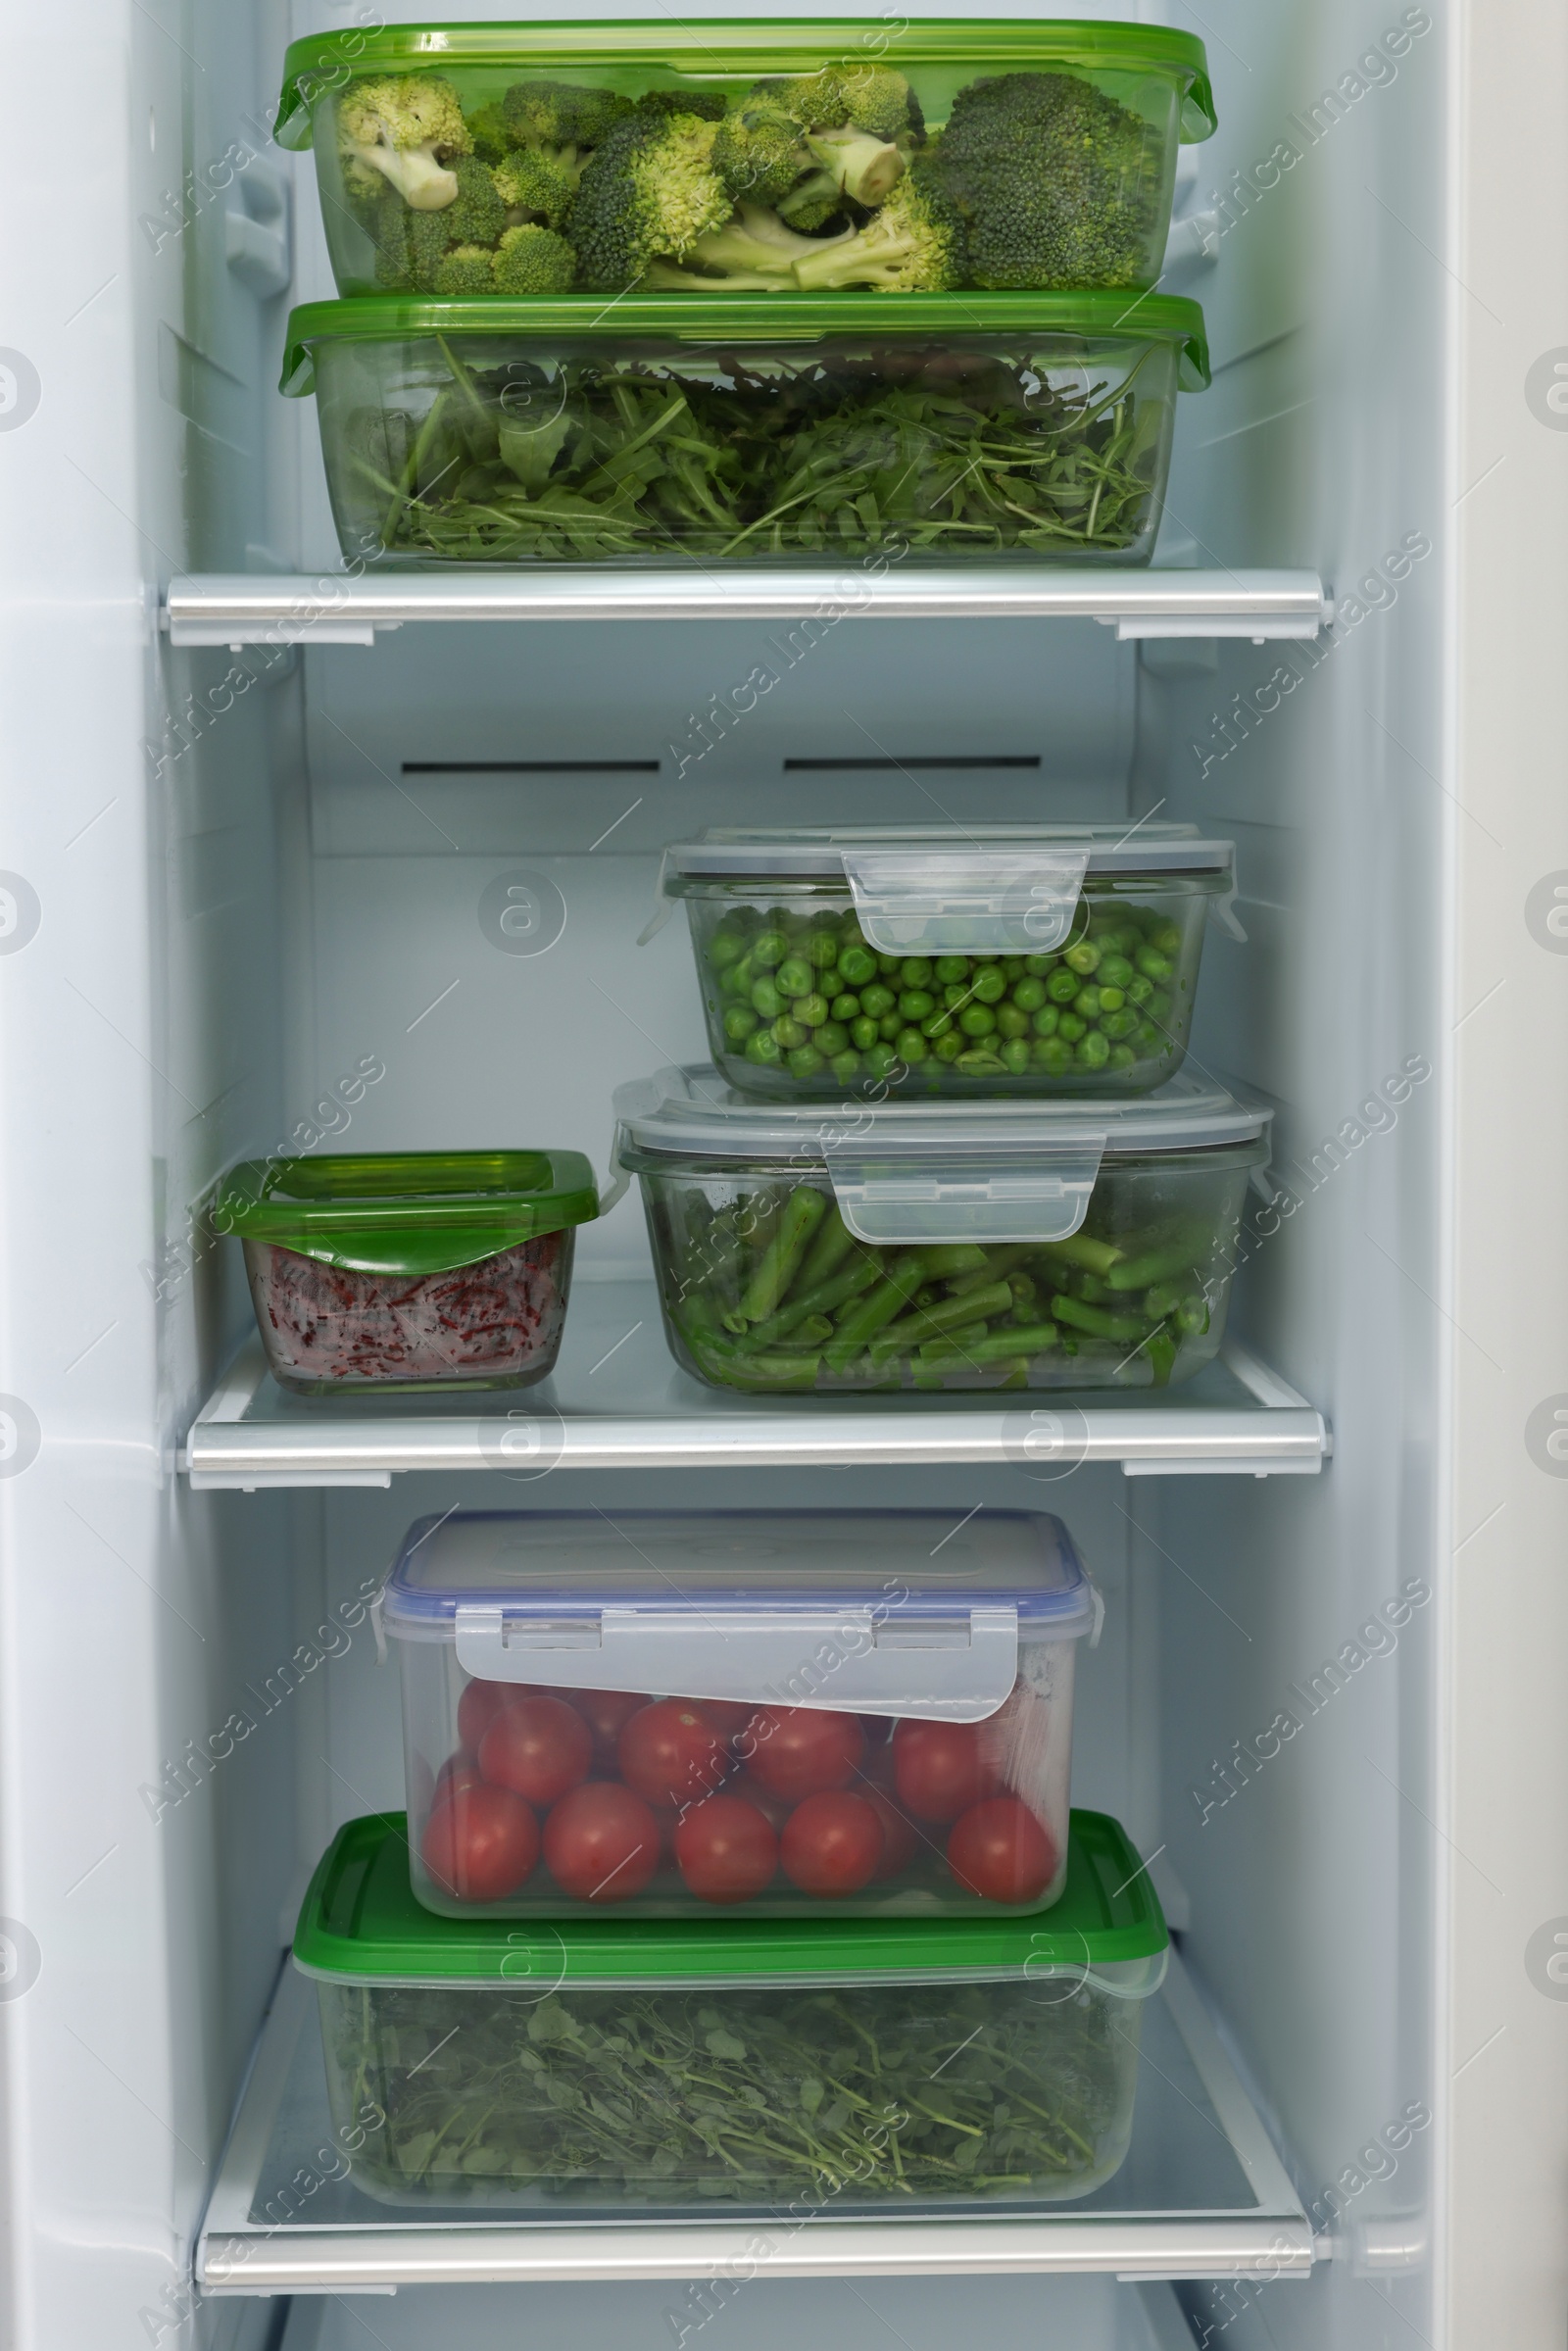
x=494, y=1324
x=1104, y=224
x=509, y=448
x=1135, y=1299
x=533, y=1802
x=799, y=1004
x=946, y=2094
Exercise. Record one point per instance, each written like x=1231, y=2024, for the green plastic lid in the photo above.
x=360, y=1924
x=719, y=319
x=723, y=49
x=405, y=1213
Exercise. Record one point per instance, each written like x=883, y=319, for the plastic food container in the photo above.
x=1045, y=153
x=941, y=1244
x=747, y=427
x=806, y=1713
x=1051, y=961
x=409, y=1269
x=612, y=2063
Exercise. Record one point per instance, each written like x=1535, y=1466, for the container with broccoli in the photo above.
x=650, y=425
x=807, y=1250
x=760, y=156
x=1047, y=961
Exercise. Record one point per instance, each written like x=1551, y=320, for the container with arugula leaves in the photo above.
x=747, y=427
x=646, y=2064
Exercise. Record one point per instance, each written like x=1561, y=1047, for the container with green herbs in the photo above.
x=812, y=1248
x=1042, y=959
x=639, y=2065
x=748, y=428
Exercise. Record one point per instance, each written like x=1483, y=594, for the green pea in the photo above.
x=1114, y=970
x=796, y=977
x=977, y=1020
x=917, y=971
x=789, y=1034
x=1139, y=990
x=810, y=1011
x=915, y=1003
x=737, y=980
x=1086, y=1004
x=1160, y=1006
x=857, y=965
x=1149, y=1039
x=1122, y=1056
x=1013, y=968
x=1015, y=1056
x=846, y=1007
x=1167, y=938
x=1071, y=1027
x=1011, y=1022
x=766, y=999
x=1091, y=1051
x=823, y=950
x=948, y=1045
x=1117, y=1025
x=1051, y=1055
x=889, y=964
x=1045, y=1021
x=762, y=1047
x=990, y=986
x=845, y=1066
x=911, y=1047
x=1112, y=999
x=1063, y=986
x=881, y=1060
x=980, y=1063
x=1029, y=994
x=956, y=993
x=862, y=1033
x=1154, y=966
x=769, y=950
x=1083, y=958
x=877, y=1000
x=805, y=1061
x=831, y=1039
x=950, y=968
x=1037, y=967
x=739, y=1024
x=725, y=947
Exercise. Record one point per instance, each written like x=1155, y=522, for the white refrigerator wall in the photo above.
x=231, y=892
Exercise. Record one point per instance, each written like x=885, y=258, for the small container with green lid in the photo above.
x=504, y=159
x=637, y=2066
x=747, y=427
x=409, y=1269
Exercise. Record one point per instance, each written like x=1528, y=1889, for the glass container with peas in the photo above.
x=1047, y=961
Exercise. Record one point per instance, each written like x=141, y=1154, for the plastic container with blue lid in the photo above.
x=799, y=1714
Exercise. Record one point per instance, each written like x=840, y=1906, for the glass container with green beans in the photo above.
x=812, y=989
x=771, y=1279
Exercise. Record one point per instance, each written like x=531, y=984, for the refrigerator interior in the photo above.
x=263, y=872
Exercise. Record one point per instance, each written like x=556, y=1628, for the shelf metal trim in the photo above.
x=236, y=609
x=236, y=2255
x=234, y=1443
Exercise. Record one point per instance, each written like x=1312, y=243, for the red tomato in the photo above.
x=607, y=1713
x=772, y=1808
x=670, y=1755
x=938, y=1770
x=803, y=1750
x=832, y=1844
x=458, y=1771
x=900, y=1839
x=1000, y=1851
x=538, y=1746
x=728, y=1716
x=480, y=1844
x=726, y=1850
x=478, y=1709
x=668, y=1820
x=600, y=1842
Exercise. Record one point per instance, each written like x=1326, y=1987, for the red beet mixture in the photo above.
x=498, y=1319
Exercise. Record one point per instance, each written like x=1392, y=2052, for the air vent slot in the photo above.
x=895, y=767
x=532, y=766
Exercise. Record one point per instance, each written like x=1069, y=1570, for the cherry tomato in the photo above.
x=802, y=1751
x=538, y=1746
x=726, y=1850
x=938, y=1770
x=1000, y=1851
x=773, y=1809
x=607, y=1713
x=670, y=1755
x=728, y=1716
x=458, y=1771
x=600, y=1842
x=480, y=1844
x=478, y=1709
x=900, y=1839
x=832, y=1844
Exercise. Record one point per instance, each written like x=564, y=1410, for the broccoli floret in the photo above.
x=464, y=269
x=562, y=121
x=407, y=128
x=1052, y=180
x=429, y=239
x=913, y=245
x=394, y=267
x=487, y=129
x=532, y=188
x=707, y=105
x=532, y=260
x=860, y=122
x=759, y=152
x=479, y=214
x=812, y=203
x=647, y=194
